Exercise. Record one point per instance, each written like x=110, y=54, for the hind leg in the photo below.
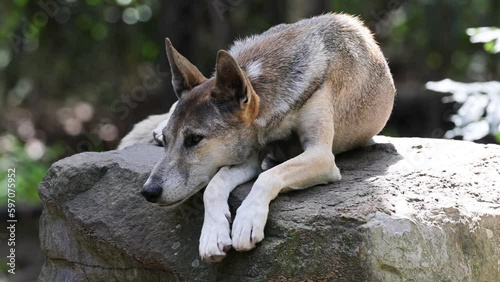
x=158, y=131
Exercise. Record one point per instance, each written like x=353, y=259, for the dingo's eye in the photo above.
x=192, y=140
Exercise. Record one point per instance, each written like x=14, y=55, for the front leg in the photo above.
x=215, y=237
x=316, y=165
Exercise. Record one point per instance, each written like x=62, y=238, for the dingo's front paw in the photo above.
x=248, y=226
x=158, y=132
x=214, y=239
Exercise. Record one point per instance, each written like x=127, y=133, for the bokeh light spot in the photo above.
x=72, y=126
x=145, y=13
x=84, y=111
x=7, y=143
x=108, y=132
x=123, y=2
x=4, y=58
x=130, y=15
x=63, y=114
x=35, y=149
x=26, y=129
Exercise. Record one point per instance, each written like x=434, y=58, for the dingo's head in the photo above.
x=209, y=128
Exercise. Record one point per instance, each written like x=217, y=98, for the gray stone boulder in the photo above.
x=406, y=209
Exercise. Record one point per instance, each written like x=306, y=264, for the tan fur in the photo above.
x=322, y=79
x=251, y=109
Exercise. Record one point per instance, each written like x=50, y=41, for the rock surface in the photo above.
x=406, y=209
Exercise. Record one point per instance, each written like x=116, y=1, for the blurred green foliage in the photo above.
x=28, y=172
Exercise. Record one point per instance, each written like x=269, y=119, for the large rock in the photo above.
x=406, y=209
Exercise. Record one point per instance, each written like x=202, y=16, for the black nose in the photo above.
x=152, y=193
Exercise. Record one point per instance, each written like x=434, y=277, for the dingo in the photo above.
x=323, y=80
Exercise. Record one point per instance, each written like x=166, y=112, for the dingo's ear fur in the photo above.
x=233, y=89
x=185, y=76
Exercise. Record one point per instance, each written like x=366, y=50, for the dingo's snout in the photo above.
x=152, y=192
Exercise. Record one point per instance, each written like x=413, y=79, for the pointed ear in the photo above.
x=185, y=76
x=233, y=90
x=231, y=83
